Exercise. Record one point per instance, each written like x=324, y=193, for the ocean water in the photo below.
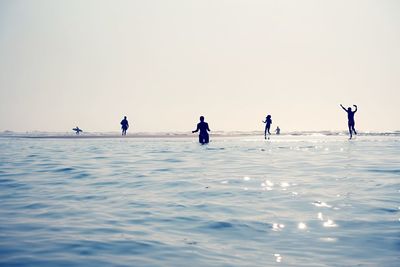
x=244, y=201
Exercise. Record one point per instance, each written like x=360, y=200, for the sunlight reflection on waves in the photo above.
x=287, y=201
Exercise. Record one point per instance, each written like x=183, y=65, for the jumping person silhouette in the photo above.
x=350, y=116
x=124, y=125
x=204, y=129
x=268, y=122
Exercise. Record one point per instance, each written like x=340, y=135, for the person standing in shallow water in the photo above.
x=350, y=116
x=268, y=122
x=124, y=125
x=202, y=126
x=77, y=130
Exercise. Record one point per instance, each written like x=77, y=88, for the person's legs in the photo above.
x=203, y=139
x=354, y=130
x=351, y=128
x=350, y=131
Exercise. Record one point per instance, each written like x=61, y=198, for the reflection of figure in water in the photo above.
x=268, y=123
x=203, y=127
x=77, y=130
x=124, y=125
x=278, y=130
x=350, y=116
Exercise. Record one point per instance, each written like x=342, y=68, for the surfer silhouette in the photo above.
x=268, y=122
x=77, y=130
x=278, y=130
x=124, y=125
x=350, y=116
x=202, y=126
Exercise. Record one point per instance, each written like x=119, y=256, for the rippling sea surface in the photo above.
x=243, y=201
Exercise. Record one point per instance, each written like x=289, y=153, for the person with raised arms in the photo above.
x=350, y=116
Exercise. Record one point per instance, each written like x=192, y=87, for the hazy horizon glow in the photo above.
x=165, y=63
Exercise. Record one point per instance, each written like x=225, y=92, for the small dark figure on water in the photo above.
x=350, y=116
x=268, y=122
x=278, y=130
x=124, y=125
x=77, y=130
x=203, y=127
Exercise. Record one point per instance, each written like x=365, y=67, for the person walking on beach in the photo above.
x=350, y=116
x=124, y=125
x=268, y=122
x=278, y=130
x=202, y=126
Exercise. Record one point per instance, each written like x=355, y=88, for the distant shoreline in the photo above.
x=118, y=136
x=53, y=135
x=92, y=136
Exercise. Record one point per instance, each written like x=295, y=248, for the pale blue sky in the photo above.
x=165, y=63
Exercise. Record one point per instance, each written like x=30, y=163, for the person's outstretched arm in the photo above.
x=356, y=108
x=208, y=128
x=343, y=107
x=197, y=129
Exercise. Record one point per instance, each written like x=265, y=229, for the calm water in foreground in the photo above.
x=289, y=201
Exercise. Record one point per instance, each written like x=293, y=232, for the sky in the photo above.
x=67, y=63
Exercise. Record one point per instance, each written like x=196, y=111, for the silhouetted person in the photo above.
x=77, y=130
x=124, y=125
x=202, y=126
x=350, y=116
x=278, y=130
x=268, y=123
